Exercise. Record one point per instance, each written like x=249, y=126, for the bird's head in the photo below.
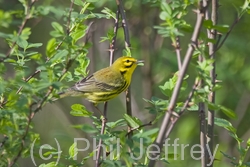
x=126, y=65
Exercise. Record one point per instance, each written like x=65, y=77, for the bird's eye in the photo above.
x=127, y=61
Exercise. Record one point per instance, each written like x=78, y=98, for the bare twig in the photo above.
x=202, y=115
x=178, y=51
x=139, y=127
x=112, y=44
x=211, y=97
x=24, y=22
x=69, y=17
x=124, y=23
x=189, y=53
x=228, y=33
x=104, y=121
x=175, y=118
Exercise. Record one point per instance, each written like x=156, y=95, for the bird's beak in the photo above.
x=140, y=62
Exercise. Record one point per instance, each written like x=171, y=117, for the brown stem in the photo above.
x=104, y=121
x=112, y=44
x=211, y=97
x=202, y=115
x=139, y=127
x=178, y=51
x=124, y=23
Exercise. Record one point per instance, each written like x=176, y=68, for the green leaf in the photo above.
x=79, y=32
x=227, y=125
x=50, y=48
x=25, y=33
x=79, y=110
x=208, y=24
x=73, y=150
x=150, y=132
x=59, y=57
x=51, y=164
x=57, y=27
x=132, y=121
x=228, y=112
x=166, y=7
x=222, y=122
x=58, y=30
x=78, y=2
x=118, y=123
x=21, y=42
x=6, y=36
x=86, y=128
x=34, y=45
x=222, y=28
x=109, y=13
x=164, y=15
x=248, y=142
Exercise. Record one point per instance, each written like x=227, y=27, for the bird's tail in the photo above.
x=61, y=95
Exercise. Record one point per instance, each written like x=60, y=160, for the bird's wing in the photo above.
x=103, y=80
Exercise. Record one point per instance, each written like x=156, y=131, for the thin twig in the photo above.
x=178, y=51
x=124, y=23
x=194, y=88
x=112, y=44
x=139, y=127
x=104, y=121
x=24, y=22
x=173, y=100
x=175, y=118
x=27, y=79
x=211, y=96
x=69, y=17
x=202, y=116
x=228, y=33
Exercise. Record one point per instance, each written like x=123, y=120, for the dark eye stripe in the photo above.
x=129, y=65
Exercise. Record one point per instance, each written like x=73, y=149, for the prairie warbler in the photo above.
x=106, y=83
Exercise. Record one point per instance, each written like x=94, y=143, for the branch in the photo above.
x=211, y=97
x=203, y=141
x=228, y=33
x=139, y=127
x=178, y=51
x=104, y=121
x=113, y=42
x=173, y=100
x=124, y=23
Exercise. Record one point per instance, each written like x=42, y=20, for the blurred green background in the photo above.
x=232, y=67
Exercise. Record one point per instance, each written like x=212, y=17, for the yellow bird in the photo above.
x=106, y=83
